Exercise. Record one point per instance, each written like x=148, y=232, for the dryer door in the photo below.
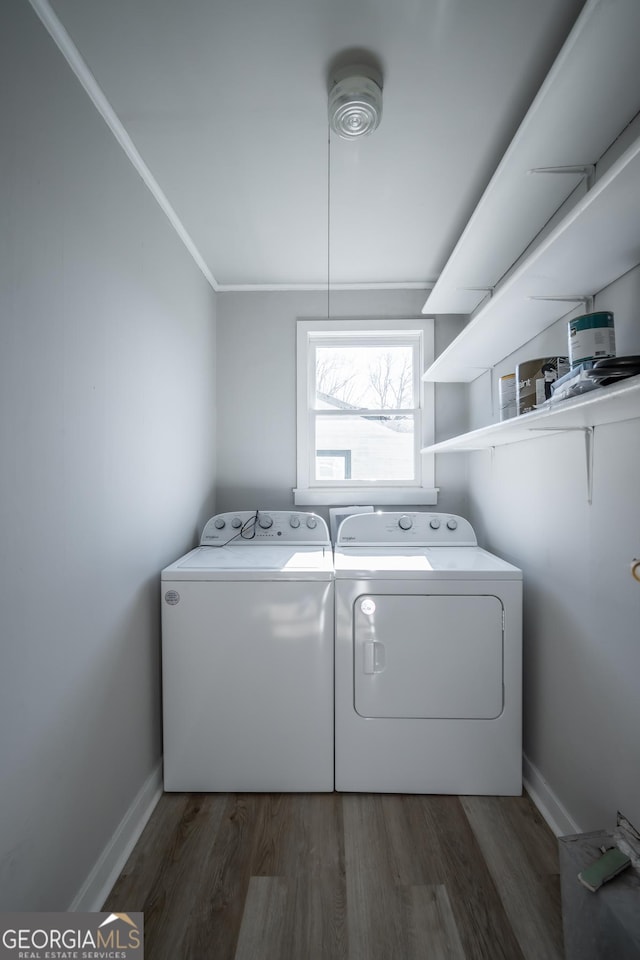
x=428, y=656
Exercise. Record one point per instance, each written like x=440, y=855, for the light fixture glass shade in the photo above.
x=355, y=106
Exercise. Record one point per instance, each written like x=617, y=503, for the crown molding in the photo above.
x=321, y=287
x=72, y=55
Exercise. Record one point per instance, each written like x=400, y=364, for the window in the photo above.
x=364, y=412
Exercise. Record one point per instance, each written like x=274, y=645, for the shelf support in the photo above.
x=488, y=290
x=588, y=450
x=586, y=171
x=587, y=300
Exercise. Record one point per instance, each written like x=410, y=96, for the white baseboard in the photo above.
x=96, y=887
x=556, y=815
x=104, y=874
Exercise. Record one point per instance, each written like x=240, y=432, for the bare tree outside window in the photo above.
x=335, y=377
x=367, y=378
x=391, y=380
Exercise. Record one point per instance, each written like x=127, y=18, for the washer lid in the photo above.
x=416, y=563
x=261, y=562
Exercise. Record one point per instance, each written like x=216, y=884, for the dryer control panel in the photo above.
x=423, y=529
x=265, y=526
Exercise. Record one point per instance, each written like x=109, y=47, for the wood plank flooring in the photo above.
x=344, y=877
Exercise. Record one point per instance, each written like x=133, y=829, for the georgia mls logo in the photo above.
x=134, y=934
x=71, y=936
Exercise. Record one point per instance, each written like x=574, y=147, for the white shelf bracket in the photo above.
x=587, y=300
x=588, y=450
x=486, y=290
x=586, y=171
x=487, y=294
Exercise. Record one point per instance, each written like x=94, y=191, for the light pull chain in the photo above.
x=328, y=222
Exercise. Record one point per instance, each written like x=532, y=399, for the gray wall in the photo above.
x=257, y=391
x=582, y=607
x=107, y=427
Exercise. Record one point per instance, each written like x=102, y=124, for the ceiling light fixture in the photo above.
x=355, y=102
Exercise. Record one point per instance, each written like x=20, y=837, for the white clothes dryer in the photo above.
x=247, y=656
x=428, y=660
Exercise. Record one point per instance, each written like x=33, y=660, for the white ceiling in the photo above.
x=226, y=102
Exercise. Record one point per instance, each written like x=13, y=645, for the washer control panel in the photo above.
x=424, y=529
x=265, y=526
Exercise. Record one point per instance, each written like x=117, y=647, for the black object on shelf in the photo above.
x=614, y=368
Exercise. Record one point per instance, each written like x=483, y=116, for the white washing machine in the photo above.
x=428, y=661
x=247, y=656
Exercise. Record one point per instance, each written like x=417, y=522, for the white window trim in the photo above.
x=422, y=491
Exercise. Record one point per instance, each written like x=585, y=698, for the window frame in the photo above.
x=312, y=492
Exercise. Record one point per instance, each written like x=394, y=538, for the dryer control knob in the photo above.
x=219, y=523
x=434, y=524
x=312, y=522
x=405, y=523
x=265, y=521
x=236, y=522
x=452, y=524
x=294, y=522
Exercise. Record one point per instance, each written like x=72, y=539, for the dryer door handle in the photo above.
x=374, y=660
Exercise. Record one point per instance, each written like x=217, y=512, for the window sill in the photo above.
x=377, y=496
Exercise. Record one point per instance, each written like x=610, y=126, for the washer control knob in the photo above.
x=236, y=523
x=452, y=523
x=405, y=523
x=434, y=524
x=219, y=523
x=265, y=521
x=312, y=522
x=294, y=522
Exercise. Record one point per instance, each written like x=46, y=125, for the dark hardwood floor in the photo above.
x=344, y=877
